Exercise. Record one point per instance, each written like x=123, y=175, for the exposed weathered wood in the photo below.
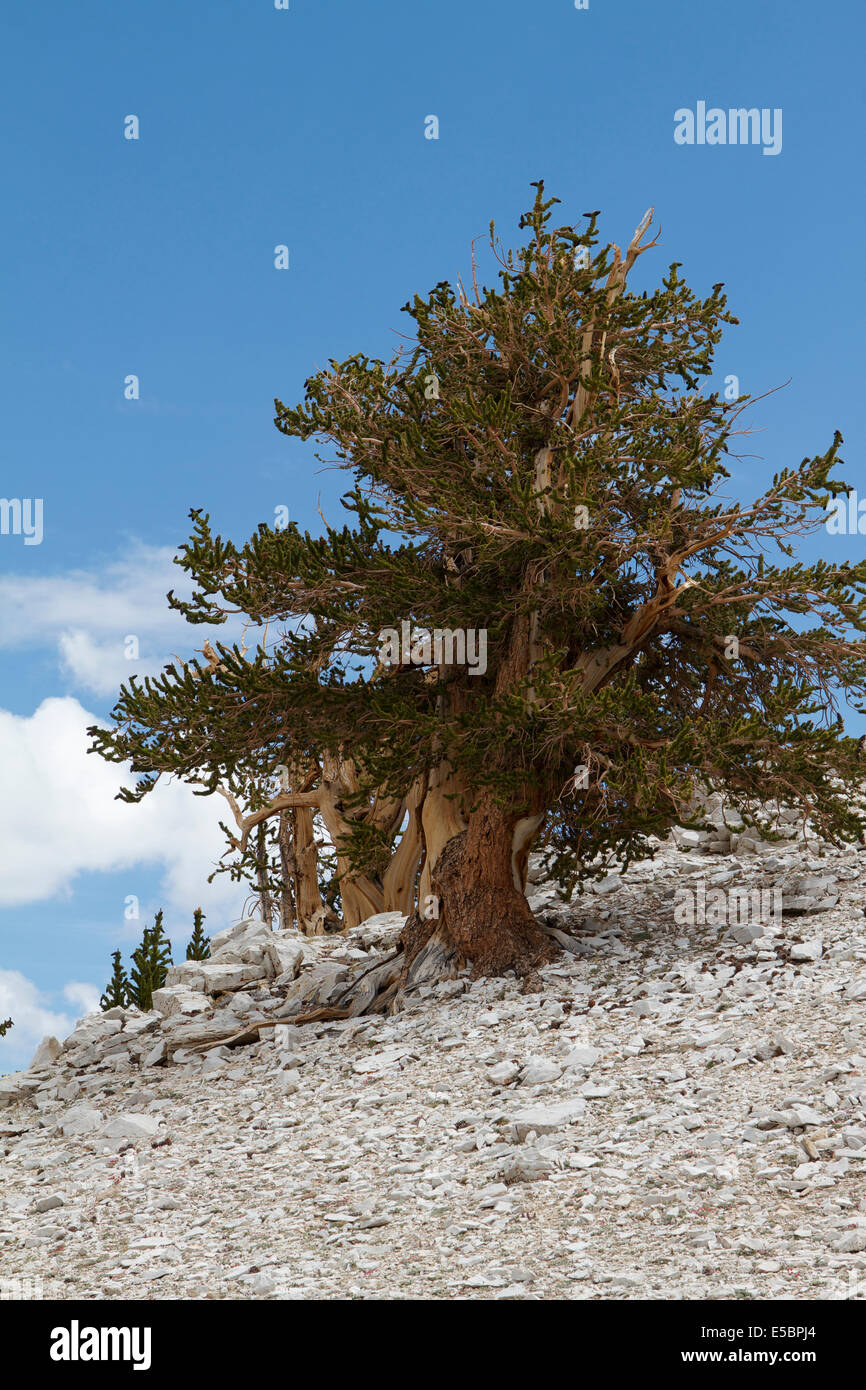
x=441, y=821
x=567, y=942
x=312, y=912
x=361, y=897
x=522, y=839
x=361, y=994
x=398, y=882
x=200, y=1037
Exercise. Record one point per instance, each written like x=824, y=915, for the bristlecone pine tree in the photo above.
x=117, y=990
x=150, y=963
x=541, y=466
x=198, y=947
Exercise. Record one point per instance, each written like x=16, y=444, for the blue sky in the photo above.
x=155, y=257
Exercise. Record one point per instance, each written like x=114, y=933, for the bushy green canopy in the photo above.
x=541, y=464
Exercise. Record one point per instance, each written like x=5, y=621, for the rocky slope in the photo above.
x=681, y=1113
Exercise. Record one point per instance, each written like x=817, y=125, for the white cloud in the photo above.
x=85, y=998
x=100, y=667
x=89, y=618
x=59, y=818
x=125, y=596
x=33, y=1020
x=58, y=814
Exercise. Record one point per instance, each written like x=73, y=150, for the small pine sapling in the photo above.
x=117, y=991
x=150, y=963
x=199, y=944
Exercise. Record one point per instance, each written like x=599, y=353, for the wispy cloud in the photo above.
x=59, y=817
x=108, y=624
x=33, y=1019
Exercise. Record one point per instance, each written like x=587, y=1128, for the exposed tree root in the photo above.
x=424, y=958
x=492, y=933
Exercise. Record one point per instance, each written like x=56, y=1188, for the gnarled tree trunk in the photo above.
x=483, y=917
x=361, y=897
x=287, y=872
x=312, y=912
x=441, y=821
x=398, y=881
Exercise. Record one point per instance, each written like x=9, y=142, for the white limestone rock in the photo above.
x=248, y=929
x=46, y=1053
x=501, y=1073
x=851, y=1242
x=378, y=932
x=129, y=1125
x=93, y=1028
x=219, y=978
x=283, y=956
x=538, y=1071
x=545, y=1119
x=808, y=950
x=177, y=999
x=81, y=1119
x=585, y=1057
x=186, y=975
x=529, y=1164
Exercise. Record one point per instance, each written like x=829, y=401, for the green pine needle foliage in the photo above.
x=150, y=964
x=199, y=944
x=117, y=990
x=625, y=560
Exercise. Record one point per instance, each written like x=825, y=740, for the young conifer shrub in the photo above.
x=199, y=944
